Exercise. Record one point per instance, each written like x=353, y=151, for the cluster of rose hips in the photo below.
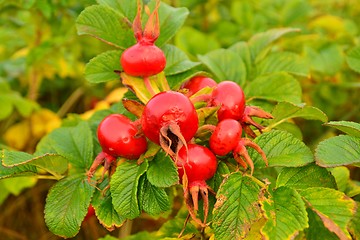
x=170, y=120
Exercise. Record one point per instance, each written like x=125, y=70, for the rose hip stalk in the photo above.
x=144, y=59
x=118, y=137
x=170, y=120
x=226, y=137
x=231, y=99
x=196, y=164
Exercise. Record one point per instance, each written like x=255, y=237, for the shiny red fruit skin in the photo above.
x=199, y=162
x=225, y=137
x=197, y=83
x=169, y=107
x=117, y=137
x=231, y=99
x=143, y=60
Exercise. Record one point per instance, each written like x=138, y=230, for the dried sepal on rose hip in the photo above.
x=226, y=138
x=196, y=164
x=118, y=137
x=170, y=120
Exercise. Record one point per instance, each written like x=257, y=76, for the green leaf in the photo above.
x=152, y=199
x=354, y=226
x=171, y=20
x=9, y=156
x=283, y=62
x=194, y=41
x=333, y=207
x=4, y=191
x=281, y=149
x=353, y=59
x=108, y=237
x=275, y=87
x=16, y=185
x=107, y=25
x=317, y=230
x=162, y=171
x=338, y=151
x=67, y=204
x=342, y=176
x=143, y=235
x=74, y=143
x=24, y=106
x=13, y=158
x=242, y=49
x=174, y=226
x=101, y=68
x=176, y=60
x=225, y=65
x=104, y=208
x=350, y=128
x=124, y=188
x=284, y=111
x=327, y=60
x=236, y=207
x=52, y=163
x=23, y=170
x=260, y=41
x=286, y=214
x=6, y=107
x=292, y=128
x=217, y=179
x=11, y=99
x=124, y=7
x=305, y=177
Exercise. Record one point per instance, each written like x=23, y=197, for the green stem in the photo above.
x=51, y=177
x=70, y=102
x=257, y=181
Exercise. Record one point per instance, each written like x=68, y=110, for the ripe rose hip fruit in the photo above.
x=196, y=164
x=170, y=120
x=197, y=83
x=118, y=137
x=144, y=58
x=225, y=137
x=231, y=99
